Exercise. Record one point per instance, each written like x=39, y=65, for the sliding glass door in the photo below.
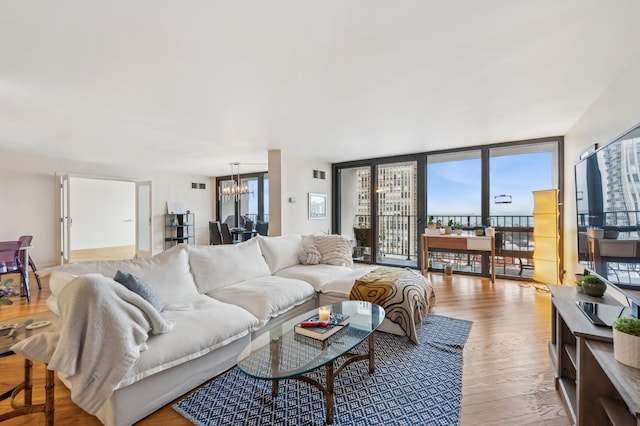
x=454, y=197
x=397, y=213
x=511, y=201
x=355, y=210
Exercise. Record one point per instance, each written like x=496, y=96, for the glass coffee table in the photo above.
x=284, y=354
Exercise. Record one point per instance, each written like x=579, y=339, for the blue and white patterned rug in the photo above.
x=412, y=385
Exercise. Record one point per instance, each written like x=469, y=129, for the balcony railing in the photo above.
x=397, y=241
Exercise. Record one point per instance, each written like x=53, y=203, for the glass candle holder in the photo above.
x=324, y=313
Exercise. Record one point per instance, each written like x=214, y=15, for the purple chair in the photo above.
x=10, y=262
x=25, y=240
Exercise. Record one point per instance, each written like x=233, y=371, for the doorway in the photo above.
x=104, y=219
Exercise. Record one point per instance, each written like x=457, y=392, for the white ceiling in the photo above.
x=193, y=85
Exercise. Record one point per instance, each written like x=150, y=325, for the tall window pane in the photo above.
x=511, y=201
x=454, y=195
x=397, y=206
x=355, y=209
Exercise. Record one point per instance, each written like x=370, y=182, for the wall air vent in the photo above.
x=319, y=174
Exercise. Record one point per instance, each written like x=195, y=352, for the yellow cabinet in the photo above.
x=546, y=237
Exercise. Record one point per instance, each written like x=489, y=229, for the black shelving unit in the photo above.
x=179, y=229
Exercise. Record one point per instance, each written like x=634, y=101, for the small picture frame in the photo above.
x=317, y=206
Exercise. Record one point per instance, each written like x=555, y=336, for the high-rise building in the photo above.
x=396, y=207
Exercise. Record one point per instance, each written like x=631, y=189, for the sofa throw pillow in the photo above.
x=168, y=272
x=280, y=252
x=226, y=264
x=140, y=287
x=309, y=254
x=334, y=250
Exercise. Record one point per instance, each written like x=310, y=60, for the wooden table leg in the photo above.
x=28, y=381
x=21, y=409
x=329, y=393
x=275, y=364
x=49, y=397
x=372, y=359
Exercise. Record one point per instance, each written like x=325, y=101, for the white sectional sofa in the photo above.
x=217, y=297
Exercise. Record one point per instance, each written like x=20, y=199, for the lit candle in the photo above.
x=324, y=313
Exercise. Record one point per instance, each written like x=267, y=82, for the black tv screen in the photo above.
x=608, y=211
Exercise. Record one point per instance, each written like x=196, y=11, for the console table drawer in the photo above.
x=479, y=243
x=448, y=243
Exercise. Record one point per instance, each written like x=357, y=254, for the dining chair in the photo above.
x=262, y=228
x=215, y=237
x=248, y=230
x=227, y=238
x=25, y=241
x=10, y=263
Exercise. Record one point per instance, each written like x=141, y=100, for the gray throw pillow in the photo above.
x=140, y=287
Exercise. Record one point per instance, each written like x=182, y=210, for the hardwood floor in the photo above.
x=103, y=253
x=507, y=376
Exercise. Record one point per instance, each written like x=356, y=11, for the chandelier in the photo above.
x=232, y=189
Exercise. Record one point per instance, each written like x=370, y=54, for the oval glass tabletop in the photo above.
x=283, y=353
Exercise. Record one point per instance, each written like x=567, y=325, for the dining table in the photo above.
x=242, y=234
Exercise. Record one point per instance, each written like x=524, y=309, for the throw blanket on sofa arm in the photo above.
x=403, y=294
x=103, y=327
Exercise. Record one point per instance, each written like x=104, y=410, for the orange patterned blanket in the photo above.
x=404, y=294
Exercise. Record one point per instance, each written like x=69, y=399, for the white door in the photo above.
x=65, y=218
x=144, y=238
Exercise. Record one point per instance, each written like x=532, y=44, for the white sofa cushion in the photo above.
x=168, y=272
x=342, y=286
x=316, y=275
x=59, y=280
x=222, y=265
x=265, y=297
x=202, y=325
x=280, y=252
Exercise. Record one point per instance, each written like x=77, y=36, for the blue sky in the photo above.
x=453, y=188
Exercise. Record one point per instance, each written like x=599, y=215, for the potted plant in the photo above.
x=593, y=286
x=626, y=341
x=458, y=228
x=6, y=291
x=447, y=229
x=431, y=224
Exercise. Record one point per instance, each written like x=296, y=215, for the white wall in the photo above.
x=291, y=176
x=614, y=112
x=28, y=188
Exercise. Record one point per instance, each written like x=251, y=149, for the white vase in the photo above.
x=626, y=348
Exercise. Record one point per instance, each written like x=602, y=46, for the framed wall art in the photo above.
x=317, y=206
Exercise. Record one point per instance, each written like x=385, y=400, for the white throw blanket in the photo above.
x=103, y=328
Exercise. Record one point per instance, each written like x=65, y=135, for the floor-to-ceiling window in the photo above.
x=454, y=197
x=515, y=172
x=355, y=213
x=251, y=204
x=397, y=213
x=471, y=187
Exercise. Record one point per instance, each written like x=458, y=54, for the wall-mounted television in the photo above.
x=608, y=213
